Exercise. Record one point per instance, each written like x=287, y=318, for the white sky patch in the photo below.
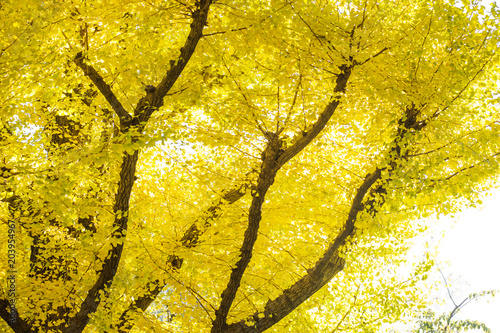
x=471, y=249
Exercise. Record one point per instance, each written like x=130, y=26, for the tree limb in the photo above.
x=154, y=99
x=266, y=179
x=325, y=269
x=77, y=323
x=273, y=158
x=17, y=324
x=104, y=88
x=314, y=130
x=191, y=236
x=277, y=158
x=143, y=111
x=332, y=262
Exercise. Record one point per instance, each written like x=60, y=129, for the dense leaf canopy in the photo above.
x=196, y=166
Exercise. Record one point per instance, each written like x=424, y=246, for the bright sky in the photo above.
x=472, y=248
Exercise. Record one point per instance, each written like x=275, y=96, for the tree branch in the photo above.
x=105, y=277
x=154, y=100
x=152, y=290
x=189, y=240
x=314, y=130
x=332, y=262
x=325, y=269
x=17, y=324
x=230, y=196
x=104, y=88
x=266, y=179
x=273, y=158
x=191, y=236
x=143, y=111
x=278, y=157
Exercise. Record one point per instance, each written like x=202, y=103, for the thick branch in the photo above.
x=87, y=223
x=103, y=87
x=273, y=159
x=17, y=324
x=199, y=21
x=152, y=289
x=331, y=263
x=154, y=99
x=266, y=179
x=110, y=266
x=190, y=238
x=325, y=269
x=302, y=142
x=143, y=110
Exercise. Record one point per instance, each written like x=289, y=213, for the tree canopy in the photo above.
x=217, y=166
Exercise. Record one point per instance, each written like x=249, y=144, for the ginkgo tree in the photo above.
x=196, y=166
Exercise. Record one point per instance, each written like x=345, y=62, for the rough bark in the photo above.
x=324, y=270
x=332, y=262
x=189, y=240
x=273, y=158
x=143, y=111
x=154, y=99
x=18, y=325
x=266, y=178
